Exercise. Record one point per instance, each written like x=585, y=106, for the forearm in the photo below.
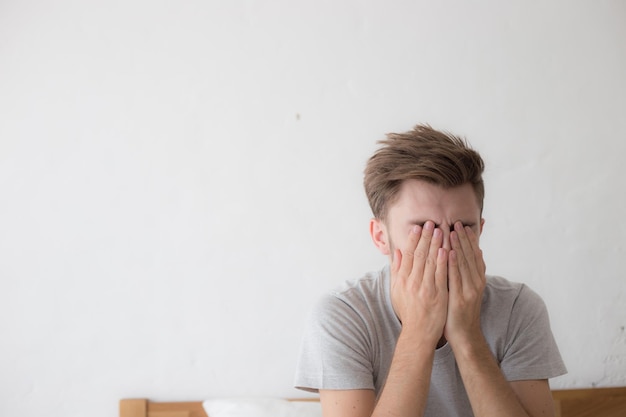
x=490, y=394
x=406, y=389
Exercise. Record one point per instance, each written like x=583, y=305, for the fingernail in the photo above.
x=415, y=229
x=429, y=225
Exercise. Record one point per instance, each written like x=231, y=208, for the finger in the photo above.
x=405, y=260
x=471, y=269
x=422, y=250
x=430, y=266
x=483, y=266
x=396, y=261
x=478, y=253
x=475, y=257
x=423, y=245
x=441, y=275
x=455, y=284
x=464, y=248
x=472, y=239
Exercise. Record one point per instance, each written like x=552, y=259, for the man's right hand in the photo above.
x=419, y=295
x=419, y=282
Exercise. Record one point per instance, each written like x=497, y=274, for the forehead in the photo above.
x=420, y=201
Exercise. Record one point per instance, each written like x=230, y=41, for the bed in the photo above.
x=591, y=402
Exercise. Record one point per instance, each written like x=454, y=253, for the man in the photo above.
x=430, y=334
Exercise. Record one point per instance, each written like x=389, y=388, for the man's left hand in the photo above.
x=466, y=282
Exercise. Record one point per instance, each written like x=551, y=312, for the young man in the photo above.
x=430, y=334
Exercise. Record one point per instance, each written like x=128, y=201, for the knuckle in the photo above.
x=420, y=254
x=431, y=262
x=407, y=254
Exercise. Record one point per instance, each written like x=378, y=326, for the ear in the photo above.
x=380, y=236
x=482, y=224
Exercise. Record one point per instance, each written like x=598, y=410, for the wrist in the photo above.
x=470, y=345
x=417, y=337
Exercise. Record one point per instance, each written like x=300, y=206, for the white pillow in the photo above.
x=261, y=407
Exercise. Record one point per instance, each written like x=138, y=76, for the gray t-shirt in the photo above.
x=351, y=335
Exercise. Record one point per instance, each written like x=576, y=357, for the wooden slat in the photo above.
x=563, y=394
x=176, y=409
x=169, y=414
x=133, y=408
x=592, y=402
x=594, y=407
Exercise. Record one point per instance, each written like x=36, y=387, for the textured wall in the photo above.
x=180, y=181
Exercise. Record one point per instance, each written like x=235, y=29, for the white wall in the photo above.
x=179, y=181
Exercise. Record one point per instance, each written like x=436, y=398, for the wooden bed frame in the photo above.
x=591, y=402
x=146, y=408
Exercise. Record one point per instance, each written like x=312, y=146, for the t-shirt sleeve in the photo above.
x=335, y=350
x=531, y=351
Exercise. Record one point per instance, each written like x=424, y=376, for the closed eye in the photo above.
x=464, y=225
x=451, y=227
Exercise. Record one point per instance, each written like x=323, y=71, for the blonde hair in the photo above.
x=422, y=154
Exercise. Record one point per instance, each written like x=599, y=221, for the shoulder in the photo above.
x=362, y=303
x=362, y=290
x=499, y=284
x=501, y=292
x=510, y=307
x=517, y=327
x=355, y=296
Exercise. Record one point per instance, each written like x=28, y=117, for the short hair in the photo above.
x=423, y=154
